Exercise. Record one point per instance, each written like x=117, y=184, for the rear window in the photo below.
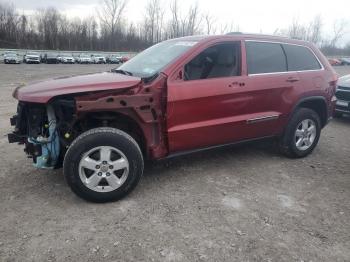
x=300, y=58
x=265, y=58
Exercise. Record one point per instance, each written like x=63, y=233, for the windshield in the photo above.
x=11, y=55
x=154, y=59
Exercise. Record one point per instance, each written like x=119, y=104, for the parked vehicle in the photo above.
x=125, y=59
x=334, y=62
x=343, y=96
x=179, y=96
x=345, y=61
x=114, y=59
x=84, y=59
x=51, y=58
x=31, y=58
x=11, y=58
x=98, y=59
x=67, y=59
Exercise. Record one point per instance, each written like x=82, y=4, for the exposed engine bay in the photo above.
x=43, y=129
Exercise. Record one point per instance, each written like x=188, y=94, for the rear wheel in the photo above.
x=103, y=164
x=302, y=133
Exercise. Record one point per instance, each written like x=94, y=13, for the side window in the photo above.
x=265, y=58
x=300, y=58
x=221, y=60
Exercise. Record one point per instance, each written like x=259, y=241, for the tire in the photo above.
x=103, y=139
x=290, y=138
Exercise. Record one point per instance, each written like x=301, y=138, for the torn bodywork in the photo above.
x=48, y=129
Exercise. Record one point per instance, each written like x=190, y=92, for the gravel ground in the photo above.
x=244, y=203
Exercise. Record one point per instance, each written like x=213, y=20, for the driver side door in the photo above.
x=202, y=103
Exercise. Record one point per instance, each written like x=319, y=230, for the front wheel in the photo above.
x=302, y=133
x=103, y=165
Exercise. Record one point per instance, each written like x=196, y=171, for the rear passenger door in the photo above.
x=271, y=87
x=301, y=59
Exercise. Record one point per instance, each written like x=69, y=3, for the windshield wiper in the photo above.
x=120, y=71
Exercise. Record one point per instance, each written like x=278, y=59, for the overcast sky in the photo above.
x=258, y=16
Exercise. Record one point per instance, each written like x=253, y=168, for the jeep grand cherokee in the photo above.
x=178, y=96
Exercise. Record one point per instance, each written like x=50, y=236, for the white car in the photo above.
x=67, y=59
x=98, y=59
x=84, y=59
x=31, y=58
x=11, y=58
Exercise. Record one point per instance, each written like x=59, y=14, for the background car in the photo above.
x=98, y=59
x=125, y=59
x=11, y=58
x=343, y=96
x=345, y=60
x=50, y=58
x=114, y=59
x=84, y=59
x=67, y=59
x=31, y=58
x=334, y=61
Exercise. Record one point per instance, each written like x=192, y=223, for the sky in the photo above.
x=252, y=16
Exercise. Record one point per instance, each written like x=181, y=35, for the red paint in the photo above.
x=44, y=91
x=199, y=113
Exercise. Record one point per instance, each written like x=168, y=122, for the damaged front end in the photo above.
x=38, y=128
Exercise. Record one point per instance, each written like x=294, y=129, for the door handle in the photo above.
x=292, y=79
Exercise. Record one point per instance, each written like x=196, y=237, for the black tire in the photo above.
x=98, y=137
x=287, y=142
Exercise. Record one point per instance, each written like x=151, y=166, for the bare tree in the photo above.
x=153, y=21
x=296, y=29
x=314, y=30
x=192, y=21
x=229, y=27
x=209, y=22
x=175, y=19
x=110, y=15
x=339, y=27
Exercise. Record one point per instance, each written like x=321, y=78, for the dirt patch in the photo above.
x=244, y=203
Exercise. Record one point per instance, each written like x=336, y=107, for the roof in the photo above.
x=240, y=36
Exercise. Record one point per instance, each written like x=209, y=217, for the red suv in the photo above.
x=176, y=97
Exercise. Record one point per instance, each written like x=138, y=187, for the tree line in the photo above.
x=110, y=30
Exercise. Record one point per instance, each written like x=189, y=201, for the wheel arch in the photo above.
x=114, y=119
x=316, y=103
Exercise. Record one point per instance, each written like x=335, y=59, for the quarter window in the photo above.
x=300, y=58
x=265, y=58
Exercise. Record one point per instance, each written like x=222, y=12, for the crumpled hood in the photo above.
x=344, y=81
x=43, y=91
